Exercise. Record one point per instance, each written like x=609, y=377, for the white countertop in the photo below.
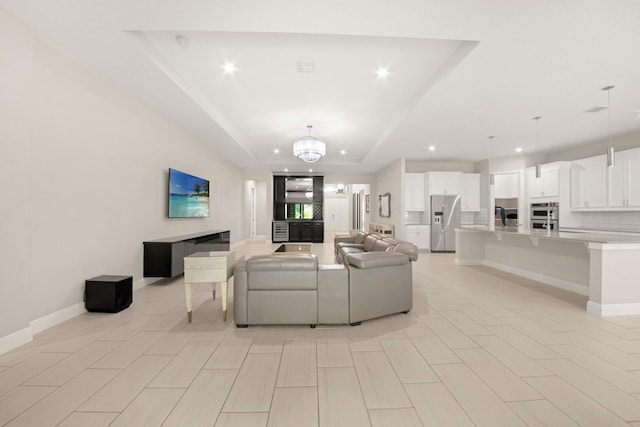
x=596, y=237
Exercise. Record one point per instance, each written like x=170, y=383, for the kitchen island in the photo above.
x=603, y=266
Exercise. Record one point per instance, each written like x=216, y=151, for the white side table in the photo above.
x=209, y=267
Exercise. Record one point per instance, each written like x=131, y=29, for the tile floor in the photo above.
x=480, y=347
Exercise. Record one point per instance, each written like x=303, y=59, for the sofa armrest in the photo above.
x=343, y=238
x=406, y=248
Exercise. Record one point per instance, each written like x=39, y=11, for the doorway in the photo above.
x=336, y=214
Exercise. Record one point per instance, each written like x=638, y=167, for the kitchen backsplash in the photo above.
x=474, y=218
x=414, y=217
x=624, y=221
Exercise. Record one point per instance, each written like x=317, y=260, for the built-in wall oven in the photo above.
x=544, y=216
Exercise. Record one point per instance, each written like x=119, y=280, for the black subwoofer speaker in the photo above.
x=108, y=294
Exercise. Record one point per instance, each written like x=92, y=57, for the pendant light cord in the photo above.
x=608, y=88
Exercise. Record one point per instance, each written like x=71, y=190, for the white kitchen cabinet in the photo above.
x=444, y=182
x=470, y=192
x=441, y=183
x=506, y=185
x=414, y=191
x=623, y=184
x=588, y=184
x=420, y=236
x=548, y=185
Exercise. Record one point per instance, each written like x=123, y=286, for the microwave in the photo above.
x=544, y=211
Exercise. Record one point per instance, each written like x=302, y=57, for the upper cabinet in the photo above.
x=624, y=180
x=548, y=185
x=470, y=192
x=414, y=191
x=506, y=185
x=588, y=183
x=443, y=182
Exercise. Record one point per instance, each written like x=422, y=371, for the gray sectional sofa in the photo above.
x=295, y=289
x=369, y=242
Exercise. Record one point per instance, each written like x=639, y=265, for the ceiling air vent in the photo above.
x=306, y=67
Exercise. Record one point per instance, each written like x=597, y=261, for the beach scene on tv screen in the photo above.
x=188, y=195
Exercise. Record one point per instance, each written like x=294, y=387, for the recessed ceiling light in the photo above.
x=431, y=148
x=343, y=152
x=276, y=151
x=229, y=68
x=518, y=149
x=286, y=170
x=382, y=73
x=310, y=170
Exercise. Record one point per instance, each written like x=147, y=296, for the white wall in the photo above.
x=390, y=180
x=417, y=166
x=83, y=178
x=595, y=148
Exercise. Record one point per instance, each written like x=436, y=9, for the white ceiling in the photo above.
x=459, y=72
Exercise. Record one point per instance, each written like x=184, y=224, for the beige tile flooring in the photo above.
x=480, y=347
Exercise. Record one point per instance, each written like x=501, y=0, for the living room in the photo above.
x=84, y=172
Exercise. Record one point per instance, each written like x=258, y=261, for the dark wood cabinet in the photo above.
x=306, y=231
x=279, y=189
x=317, y=235
x=298, y=202
x=295, y=232
x=165, y=257
x=318, y=189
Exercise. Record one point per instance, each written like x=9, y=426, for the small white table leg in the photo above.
x=187, y=291
x=223, y=291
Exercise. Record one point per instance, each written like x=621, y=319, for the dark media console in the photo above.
x=165, y=257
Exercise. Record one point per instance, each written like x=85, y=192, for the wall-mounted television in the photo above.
x=188, y=195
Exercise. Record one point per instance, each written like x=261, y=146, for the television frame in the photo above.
x=188, y=195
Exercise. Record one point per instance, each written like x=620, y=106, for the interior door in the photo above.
x=336, y=218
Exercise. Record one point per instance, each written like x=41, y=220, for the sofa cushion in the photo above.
x=350, y=245
x=359, y=237
x=376, y=259
x=282, y=262
x=382, y=245
x=350, y=250
x=369, y=241
x=282, y=272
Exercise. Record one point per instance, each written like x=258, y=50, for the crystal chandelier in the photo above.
x=308, y=148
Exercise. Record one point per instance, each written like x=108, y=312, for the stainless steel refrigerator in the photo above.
x=445, y=217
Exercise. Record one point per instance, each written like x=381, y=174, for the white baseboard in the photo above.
x=36, y=326
x=625, y=309
x=15, y=340
x=57, y=317
x=547, y=280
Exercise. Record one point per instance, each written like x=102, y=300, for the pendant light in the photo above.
x=610, y=152
x=492, y=179
x=538, y=165
x=308, y=148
